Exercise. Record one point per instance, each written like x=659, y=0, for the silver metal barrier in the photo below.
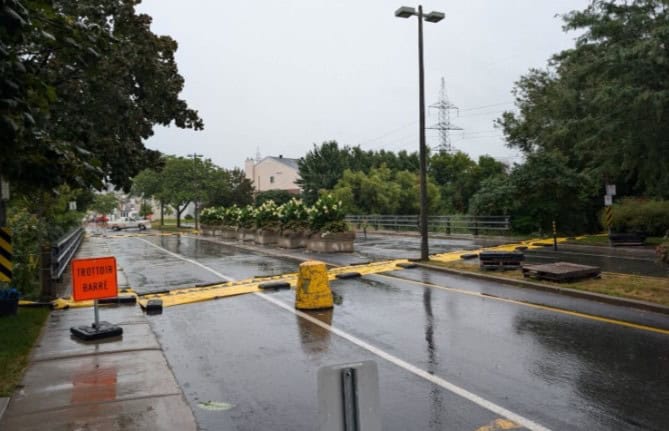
x=63, y=250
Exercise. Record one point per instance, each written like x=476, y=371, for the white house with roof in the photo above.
x=273, y=173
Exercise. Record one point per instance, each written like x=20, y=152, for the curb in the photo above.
x=613, y=300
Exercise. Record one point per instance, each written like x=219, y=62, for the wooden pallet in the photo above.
x=561, y=271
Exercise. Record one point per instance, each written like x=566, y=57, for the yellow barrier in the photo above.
x=198, y=294
x=313, y=287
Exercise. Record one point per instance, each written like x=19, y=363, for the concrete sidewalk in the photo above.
x=123, y=383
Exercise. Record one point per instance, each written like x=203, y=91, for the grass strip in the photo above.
x=643, y=288
x=17, y=336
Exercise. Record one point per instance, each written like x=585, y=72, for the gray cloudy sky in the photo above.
x=282, y=75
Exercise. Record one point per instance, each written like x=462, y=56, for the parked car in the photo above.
x=129, y=223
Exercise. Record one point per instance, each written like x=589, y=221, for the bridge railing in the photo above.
x=63, y=250
x=448, y=224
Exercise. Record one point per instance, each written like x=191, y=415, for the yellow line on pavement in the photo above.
x=537, y=306
x=499, y=424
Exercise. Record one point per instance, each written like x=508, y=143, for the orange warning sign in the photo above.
x=94, y=278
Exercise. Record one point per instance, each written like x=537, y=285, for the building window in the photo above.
x=271, y=180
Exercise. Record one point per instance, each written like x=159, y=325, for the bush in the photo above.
x=293, y=215
x=245, y=217
x=640, y=215
x=267, y=215
x=188, y=217
x=327, y=215
x=28, y=232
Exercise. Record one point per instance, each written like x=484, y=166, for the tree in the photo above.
x=320, y=169
x=604, y=104
x=84, y=83
x=104, y=203
x=184, y=180
x=383, y=191
x=546, y=189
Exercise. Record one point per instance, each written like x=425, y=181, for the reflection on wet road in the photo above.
x=559, y=370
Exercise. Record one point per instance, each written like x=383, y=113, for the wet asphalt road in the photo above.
x=559, y=370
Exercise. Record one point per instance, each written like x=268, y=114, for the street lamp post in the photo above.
x=407, y=12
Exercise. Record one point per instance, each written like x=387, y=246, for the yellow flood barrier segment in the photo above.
x=530, y=244
x=313, y=287
x=190, y=295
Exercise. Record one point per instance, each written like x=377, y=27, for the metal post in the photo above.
x=350, y=399
x=554, y=236
x=96, y=325
x=424, y=248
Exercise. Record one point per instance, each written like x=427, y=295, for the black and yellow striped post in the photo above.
x=608, y=216
x=5, y=255
x=554, y=236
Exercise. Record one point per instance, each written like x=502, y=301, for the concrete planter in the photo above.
x=228, y=232
x=244, y=234
x=266, y=236
x=209, y=230
x=292, y=239
x=340, y=242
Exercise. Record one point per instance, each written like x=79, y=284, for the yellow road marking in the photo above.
x=499, y=424
x=537, y=306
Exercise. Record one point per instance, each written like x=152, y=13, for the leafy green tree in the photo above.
x=83, y=85
x=495, y=197
x=547, y=189
x=104, y=203
x=604, y=104
x=320, y=169
x=383, y=191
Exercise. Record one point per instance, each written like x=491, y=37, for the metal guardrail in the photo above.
x=449, y=224
x=63, y=250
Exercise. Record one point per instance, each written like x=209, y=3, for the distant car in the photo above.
x=101, y=219
x=129, y=223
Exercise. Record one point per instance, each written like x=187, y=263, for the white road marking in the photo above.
x=476, y=399
x=196, y=263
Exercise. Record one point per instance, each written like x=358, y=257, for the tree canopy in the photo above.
x=82, y=85
x=604, y=104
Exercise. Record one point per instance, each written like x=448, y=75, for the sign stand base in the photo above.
x=96, y=332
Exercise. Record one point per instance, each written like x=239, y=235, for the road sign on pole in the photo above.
x=611, y=189
x=95, y=278
x=608, y=200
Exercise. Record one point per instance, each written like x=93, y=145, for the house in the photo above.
x=273, y=173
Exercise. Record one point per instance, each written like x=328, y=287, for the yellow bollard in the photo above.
x=313, y=288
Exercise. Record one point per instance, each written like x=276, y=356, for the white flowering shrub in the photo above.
x=327, y=215
x=267, y=215
x=293, y=215
x=246, y=217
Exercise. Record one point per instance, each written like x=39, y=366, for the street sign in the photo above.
x=6, y=255
x=608, y=200
x=73, y=205
x=94, y=278
x=611, y=189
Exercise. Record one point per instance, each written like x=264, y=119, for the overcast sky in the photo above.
x=280, y=75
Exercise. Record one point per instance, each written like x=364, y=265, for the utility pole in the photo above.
x=195, y=157
x=444, y=125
